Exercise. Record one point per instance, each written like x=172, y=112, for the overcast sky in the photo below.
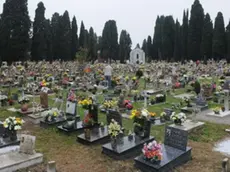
x=136, y=16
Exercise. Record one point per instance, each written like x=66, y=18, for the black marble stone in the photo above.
x=78, y=127
x=4, y=142
x=58, y=121
x=157, y=121
x=172, y=158
x=126, y=148
x=97, y=135
x=113, y=114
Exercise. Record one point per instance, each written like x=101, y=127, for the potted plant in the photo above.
x=52, y=115
x=152, y=152
x=179, y=118
x=114, y=130
x=163, y=116
x=12, y=125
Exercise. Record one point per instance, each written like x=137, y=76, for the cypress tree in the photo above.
x=82, y=38
x=219, y=44
x=92, y=54
x=125, y=44
x=149, y=47
x=168, y=37
x=65, y=36
x=15, y=29
x=184, y=38
x=48, y=38
x=158, y=36
x=177, y=42
x=109, y=40
x=207, y=38
x=74, y=38
x=228, y=42
x=55, y=36
x=195, y=31
x=38, y=50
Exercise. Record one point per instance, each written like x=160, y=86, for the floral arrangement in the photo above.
x=152, y=114
x=109, y=104
x=23, y=100
x=187, y=101
x=128, y=105
x=43, y=83
x=139, y=117
x=163, y=114
x=52, y=114
x=85, y=103
x=152, y=151
x=114, y=129
x=13, y=123
x=216, y=110
x=88, y=120
x=178, y=118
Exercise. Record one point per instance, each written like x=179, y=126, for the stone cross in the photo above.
x=226, y=98
x=27, y=144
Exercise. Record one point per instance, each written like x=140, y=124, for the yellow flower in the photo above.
x=55, y=113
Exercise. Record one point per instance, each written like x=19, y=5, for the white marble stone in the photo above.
x=14, y=161
x=182, y=96
x=189, y=125
x=223, y=147
x=9, y=149
x=221, y=115
x=12, y=110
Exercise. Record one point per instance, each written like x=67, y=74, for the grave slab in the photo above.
x=223, y=147
x=126, y=148
x=97, y=135
x=221, y=115
x=35, y=118
x=189, y=126
x=14, y=161
x=182, y=96
x=172, y=158
x=58, y=121
x=12, y=110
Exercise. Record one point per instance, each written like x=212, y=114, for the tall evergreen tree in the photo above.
x=206, y=45
x=184, y=32
x=92, y=45
x=228, y=41
x=82, y=38
x=15, y=29
x=48, y=39
x=195, y=31
x=168, y=37
x=109, y=40
x=219, y=41
x=38, y=50
x=125, y=44
x=55, y=22
x=149, y=48
x=74, y=38
x=65, y=37
x=177, y=43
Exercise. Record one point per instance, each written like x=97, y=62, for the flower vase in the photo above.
x=87, y=133
x=24, y=107
x=138, y=130
x=177, y=122
x=113, y=142
x=155, y=161
x=13, y=135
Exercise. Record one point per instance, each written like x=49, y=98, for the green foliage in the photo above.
x=207, y=38
x=92, y=45
x=195, y=31
x=109, y=44
x=81, y=55
x=82, y=39
x=184, y=38
x=177, y=43
x=219, y=43
x=74, y=38
x=125, y=44
x=197, y=87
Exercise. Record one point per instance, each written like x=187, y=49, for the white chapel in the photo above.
x=137, y=56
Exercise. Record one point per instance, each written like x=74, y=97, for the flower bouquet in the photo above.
x=86, y=103
x=216, y=110
x=187, y=101
x=114, y=130
x=179, y=118
x=163, y=116
x=88, y=121
x=109, y=104
x=23, y=100
x=12, y=124
x=52, y=115
x=152, y=152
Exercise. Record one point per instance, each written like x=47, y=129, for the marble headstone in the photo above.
x=44, y=99
x=71, y=108
x=27, y=144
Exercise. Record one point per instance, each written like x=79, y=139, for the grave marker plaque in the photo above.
x=71, y=108
x=44, y=99
x=27, y=144
x=176, y=138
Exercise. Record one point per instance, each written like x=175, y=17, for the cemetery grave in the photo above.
x=72, y=113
